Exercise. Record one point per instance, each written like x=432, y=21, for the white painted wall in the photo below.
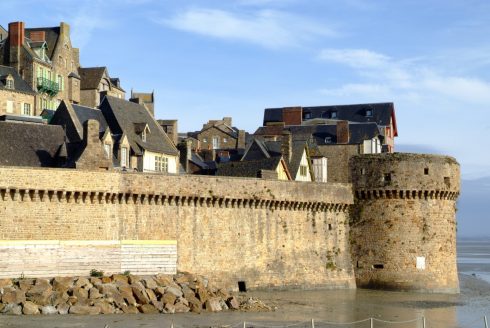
x=304, y=161
x=320, y=169
x=149, y=162
x=372, y=146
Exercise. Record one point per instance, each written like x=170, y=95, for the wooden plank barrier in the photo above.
x=51, y=258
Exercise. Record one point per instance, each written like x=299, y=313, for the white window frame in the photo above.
x=26, y=109
x=9, y=83
x=107, y=149
x=303, y=170
x=10, y=106
x=215, y=142
x=124, y=156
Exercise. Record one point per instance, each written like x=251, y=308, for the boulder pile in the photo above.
x=118, y=293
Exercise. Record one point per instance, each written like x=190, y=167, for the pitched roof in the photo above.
x=381, y=113
x=84, y=114
x=90, y=77
x=19, y=84
x=121, y=116
x=249, y=169
x=30, y=144
x=51, y=36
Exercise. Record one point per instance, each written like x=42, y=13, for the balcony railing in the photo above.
x=47, y=86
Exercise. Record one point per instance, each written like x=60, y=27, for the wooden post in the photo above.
x=312, y=323
x=423, y=322
x=372, y=322
x=244, y=324
x=486, y=322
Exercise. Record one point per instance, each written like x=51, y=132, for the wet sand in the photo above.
x=463, y=310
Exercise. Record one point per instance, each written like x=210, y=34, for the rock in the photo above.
x=63, y=308
x=2, y=306
x=151, y=295
x=196, y=308
x=95, y=281
x=84, y=309
x=26, y=284
x=13, y=297
x=49, y=309
x=168, y=298
x=111, y=291
x=106, y=280
x=150, y=283
x=127, y=294
x=213, y=304
x=6, y=283
x=40, y=293
x=159, y=291
x=158, y=305
x=182, y=300
x=233, y=303
x=59, y=297
x=81, y=294
x=120, y=278
x=181, y=308
x=148, y=309
x=183, y=278
x=62, y=284
x=44, y=283
x=169, y=308
x=105, y=307
x=72, y=300
x=29, y=308
x=132, y=279
x=223, y=305
x=139, y=293
x=94, y=293
x=13, y=309
x=176, y=291
x=83, y=282
x=202, y=294
x=165, y=280
x=130, y=309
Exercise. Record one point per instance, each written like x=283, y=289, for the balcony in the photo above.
x=47, y=86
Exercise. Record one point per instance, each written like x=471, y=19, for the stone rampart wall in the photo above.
x=266, y=233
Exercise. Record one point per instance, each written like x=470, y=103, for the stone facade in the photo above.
x=338, y=161
x=396, y=231
x=18, y=101
x=403, y=225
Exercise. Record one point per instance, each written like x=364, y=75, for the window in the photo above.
x=303, y=169
x=306, y=115
x=143, y=135
x=27, y=109
x=225, y=140
x=215, y=142
x=204, y=139
x=369, y=113
x=161, y=164
x=333, y=115
x=124, y=157
x=9, y=83
x=426, y=171
x=328, y=140
x=10, y=106
x=107, y=149
x=60, y=83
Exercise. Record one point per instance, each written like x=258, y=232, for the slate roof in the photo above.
x=90, y=77
x=51, y=34
x=121, y=116
x=249, y=169
x=34, y=145
x=381, y=113
x=87, y=113
x=19, y=84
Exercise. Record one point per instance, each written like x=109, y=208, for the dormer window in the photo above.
x=328, y=140
x=9, y=82
x=369, y=113
x=143, y=135
x=333, y=114
x=306, y=115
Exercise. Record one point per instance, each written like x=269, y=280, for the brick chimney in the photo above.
x=37, y=36
x=65, y=30
x=287, y=145
x=292, y=115
x=241, y=139
x=16, y=40
x=91, y=132
x=185, y=148
x=343, y=136
x=227, y=121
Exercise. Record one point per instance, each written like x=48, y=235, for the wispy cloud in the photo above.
x=267, y=28
x=383, y=76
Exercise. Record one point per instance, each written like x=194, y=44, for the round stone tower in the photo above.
x=403, y=223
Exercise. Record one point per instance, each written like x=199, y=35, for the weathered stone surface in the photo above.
x=169, y=308
x=165, y=280
x=132, y=279
x=173, y=290
x=84, y=309
x=148, y=308
x=130, y=309
x=49, y=309
x=233, y=303
x=13, y=309
x=119, y=278
x=59, y=297
x=63, y=308
x=40, y=293
x=150, y=283
x=139, y=293
x=25, y=284
x=83, y=282
x=105, y=307
x=5, y=283
x=127, y=294
x=158, y=305
x=94, y=293
x=81, y=294
x=181, y=307
x=213, y=304
x=168, y=298
x=29, y=308
x=106, y=280
x=202, y=293
x=72, y=300
x=95, y=281
x=13, y=297
x=151, y=295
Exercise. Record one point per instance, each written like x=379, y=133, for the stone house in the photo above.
x=16, y=96
x=383, y=114
x=45, y=59
x=145, y=99
x=219, y=135
x=139, y=141
x=95, y=84
x=331, y=145
x=274, y=168
x=293, y=149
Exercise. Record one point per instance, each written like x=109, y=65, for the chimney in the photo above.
x=292, y=115
x=102, y=95
x=287, y=145
x=16, y=40
x=64, y=29
x=185, y=148
x=91, y=132
x=37, y=36
x=227, y=120
x=343, y=132
x=241, y=139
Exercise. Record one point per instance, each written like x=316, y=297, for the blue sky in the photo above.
x=209, y=59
